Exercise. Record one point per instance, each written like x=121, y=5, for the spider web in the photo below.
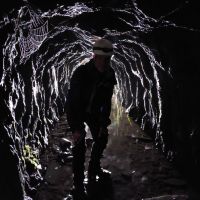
x=37, y=33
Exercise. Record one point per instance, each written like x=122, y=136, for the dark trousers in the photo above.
x=79, y=149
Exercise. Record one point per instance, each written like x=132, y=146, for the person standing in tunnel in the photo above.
x=89, y=101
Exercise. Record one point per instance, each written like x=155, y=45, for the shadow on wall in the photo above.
x=178, y=51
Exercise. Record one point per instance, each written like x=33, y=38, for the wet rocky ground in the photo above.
x=139, y=170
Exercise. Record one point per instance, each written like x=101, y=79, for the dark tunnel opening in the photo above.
x=156, y=66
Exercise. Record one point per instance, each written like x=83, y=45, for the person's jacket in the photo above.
x=90, y=96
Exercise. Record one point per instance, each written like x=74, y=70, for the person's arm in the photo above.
x=74, y=114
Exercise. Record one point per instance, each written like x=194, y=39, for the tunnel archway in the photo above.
x=40, y=51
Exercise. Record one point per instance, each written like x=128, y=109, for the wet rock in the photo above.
x=169, y=197
x=65, y=144
x=65, y=157
x=56, y=149
x=53, y=169
x=69, y=197
x=56, y=173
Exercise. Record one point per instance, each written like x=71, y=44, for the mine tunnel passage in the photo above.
x=41, y=50
x=139, y=170
x=131, y=154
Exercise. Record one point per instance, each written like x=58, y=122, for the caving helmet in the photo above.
x=103, y=47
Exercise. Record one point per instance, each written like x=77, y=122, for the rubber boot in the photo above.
x=94, y=168
x=78, y=191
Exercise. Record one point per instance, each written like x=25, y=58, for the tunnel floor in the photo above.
x=139, y=170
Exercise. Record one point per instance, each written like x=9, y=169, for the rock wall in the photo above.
x=32, y=99
x=177, y=47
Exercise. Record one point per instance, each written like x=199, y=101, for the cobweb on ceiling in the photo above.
x=32, y=34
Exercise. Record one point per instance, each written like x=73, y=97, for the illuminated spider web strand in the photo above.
x=37, y=34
